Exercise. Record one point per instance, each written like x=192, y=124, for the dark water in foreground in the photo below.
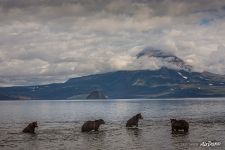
x=60, y=123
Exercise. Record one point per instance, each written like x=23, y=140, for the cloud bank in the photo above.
x=52, y=40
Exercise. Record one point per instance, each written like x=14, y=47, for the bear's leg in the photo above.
x=96, y=129
x=172, y=130
x=33, y=130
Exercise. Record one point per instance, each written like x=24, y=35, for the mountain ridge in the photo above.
x=161, y=83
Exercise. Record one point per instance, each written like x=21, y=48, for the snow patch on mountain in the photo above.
x=182, y=75
x=139, y=82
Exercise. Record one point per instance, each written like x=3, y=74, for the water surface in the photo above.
x=60, y=124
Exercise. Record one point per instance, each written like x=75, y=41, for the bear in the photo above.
x=30, y=128
x=134, y=120
x=92, y=125
x=177, y=125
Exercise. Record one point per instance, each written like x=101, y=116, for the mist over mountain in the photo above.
x=168, y=59
x=174, y=78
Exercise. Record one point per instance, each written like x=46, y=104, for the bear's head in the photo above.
x=100, y=121
x=34, y=124
x=139, y=116
x=173, y=120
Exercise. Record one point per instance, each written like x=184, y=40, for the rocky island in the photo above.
x=96, y=95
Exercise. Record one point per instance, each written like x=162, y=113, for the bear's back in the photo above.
x=29, y=129
x=180, y=123
x=88, y=126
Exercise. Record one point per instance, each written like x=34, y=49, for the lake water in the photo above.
x=60, y=124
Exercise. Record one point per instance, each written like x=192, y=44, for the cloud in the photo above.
x=51, y=41
x=217, y=65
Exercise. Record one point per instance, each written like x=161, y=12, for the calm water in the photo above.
x=60, y=123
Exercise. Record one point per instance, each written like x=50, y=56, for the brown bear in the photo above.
x=134, y=120
x=177, y=125
x=30, y=128
x=92, y=125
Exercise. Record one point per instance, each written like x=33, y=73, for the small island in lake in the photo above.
x=96, y=95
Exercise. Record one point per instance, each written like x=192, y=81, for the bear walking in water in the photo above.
x=30, y=128
x=177, y=125
x=92, y=125
x=134, y=120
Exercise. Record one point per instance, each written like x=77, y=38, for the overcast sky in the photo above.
x=44, y=41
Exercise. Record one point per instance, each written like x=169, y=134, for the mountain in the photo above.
x=167, y=58
x=161, y=83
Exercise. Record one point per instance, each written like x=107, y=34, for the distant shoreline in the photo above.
x=134, y=99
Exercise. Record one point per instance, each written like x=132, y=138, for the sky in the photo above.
x=45, y=41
